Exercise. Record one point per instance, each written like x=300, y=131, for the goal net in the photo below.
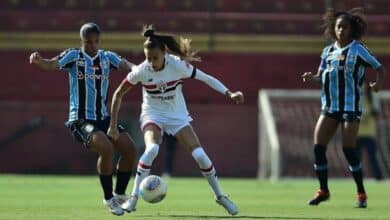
x=286, y=121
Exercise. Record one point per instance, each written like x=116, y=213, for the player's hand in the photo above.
x=308, y=77
x=374, y=86
x=237, y=97
x=35, y=58
x=113, y=133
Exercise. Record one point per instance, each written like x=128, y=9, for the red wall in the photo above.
x=246, y=72
x=228, y=131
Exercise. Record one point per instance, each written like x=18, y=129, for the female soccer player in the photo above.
x=342, y=73
x=164, y=108
x=88, y=68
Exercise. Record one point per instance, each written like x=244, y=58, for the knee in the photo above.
x=102, y=145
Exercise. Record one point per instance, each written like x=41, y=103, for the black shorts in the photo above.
x=83, y=129
x=343, y=116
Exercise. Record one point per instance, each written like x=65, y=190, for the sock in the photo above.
x=207, y=170
x=355, y=167
x=106, y=183
x=321, y=166
x=144, y=166
x=122, y=179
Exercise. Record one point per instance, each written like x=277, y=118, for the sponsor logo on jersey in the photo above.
x=92, y=76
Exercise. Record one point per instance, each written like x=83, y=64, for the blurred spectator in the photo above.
x=367, y=131
x=170, y=142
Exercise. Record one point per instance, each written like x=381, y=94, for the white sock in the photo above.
x=144, y=166
x=207, y=170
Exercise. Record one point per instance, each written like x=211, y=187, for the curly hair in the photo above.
x=177, y=45
x=354, y=16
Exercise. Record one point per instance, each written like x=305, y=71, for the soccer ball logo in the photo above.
x=153, y=189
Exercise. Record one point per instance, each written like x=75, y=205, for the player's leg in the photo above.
x=323, y=132
x=100, y=144
x=350, y=130
x=188, y=139
x=152, y=138
x=126, y=148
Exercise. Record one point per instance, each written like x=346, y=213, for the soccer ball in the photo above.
x=153, y=189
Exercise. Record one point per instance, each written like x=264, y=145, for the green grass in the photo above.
x=79, y=197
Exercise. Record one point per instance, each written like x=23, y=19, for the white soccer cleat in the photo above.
x=225, y=202
x=113, y=206
x=121, y=199
x=129, y=205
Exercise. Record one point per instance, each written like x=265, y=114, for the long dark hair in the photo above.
x=177, y=45
x=354, y=16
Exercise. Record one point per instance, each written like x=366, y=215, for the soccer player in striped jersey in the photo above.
x=88, y=69
x=164, y=108
x=341, y=73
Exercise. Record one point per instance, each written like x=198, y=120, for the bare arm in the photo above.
x=380, y=77
x=125, y=65
x=310, y=77
x=46, y=64
x=123, y=88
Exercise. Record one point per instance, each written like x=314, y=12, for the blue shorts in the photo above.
x=343, y=116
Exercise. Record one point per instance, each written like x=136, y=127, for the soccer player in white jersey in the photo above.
x=164, y=108
x=341, y=73
x=88, y=69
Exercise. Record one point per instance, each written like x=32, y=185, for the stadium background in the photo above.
x=248, y=44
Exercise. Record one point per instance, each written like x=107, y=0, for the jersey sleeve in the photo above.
x=67, y=59
x=185, y=69
x=368, y=58
x=324, y=53
x=135, y=76
x=114, y=59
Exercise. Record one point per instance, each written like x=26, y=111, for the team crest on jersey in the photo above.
x=104, y=64
x=162, y=86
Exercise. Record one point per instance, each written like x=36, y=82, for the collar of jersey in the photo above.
x=92, y=58
x=342, y=48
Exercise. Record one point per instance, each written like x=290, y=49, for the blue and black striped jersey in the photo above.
x=88, y=82
x=343, y=74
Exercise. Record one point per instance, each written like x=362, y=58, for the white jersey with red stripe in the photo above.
x=162, y=90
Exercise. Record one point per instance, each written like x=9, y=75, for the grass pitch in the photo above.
x=31, y=197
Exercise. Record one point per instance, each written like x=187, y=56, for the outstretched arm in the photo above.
x=218, y=86
x=123, y=88
x=125, y=65
x=310, y=77
x=380, y=77
x=46, y=64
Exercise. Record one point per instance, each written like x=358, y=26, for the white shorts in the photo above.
x=168, y=125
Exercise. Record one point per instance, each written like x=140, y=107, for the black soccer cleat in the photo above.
x=319, y=197
x=362, y=200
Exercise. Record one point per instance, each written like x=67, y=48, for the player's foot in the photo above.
x=113, y=206
x=129, y=205
x=225, y=202
x=121, y=199
x=362, y=200
x=319, y=197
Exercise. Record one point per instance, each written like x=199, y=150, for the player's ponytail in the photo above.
x=180, y=47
